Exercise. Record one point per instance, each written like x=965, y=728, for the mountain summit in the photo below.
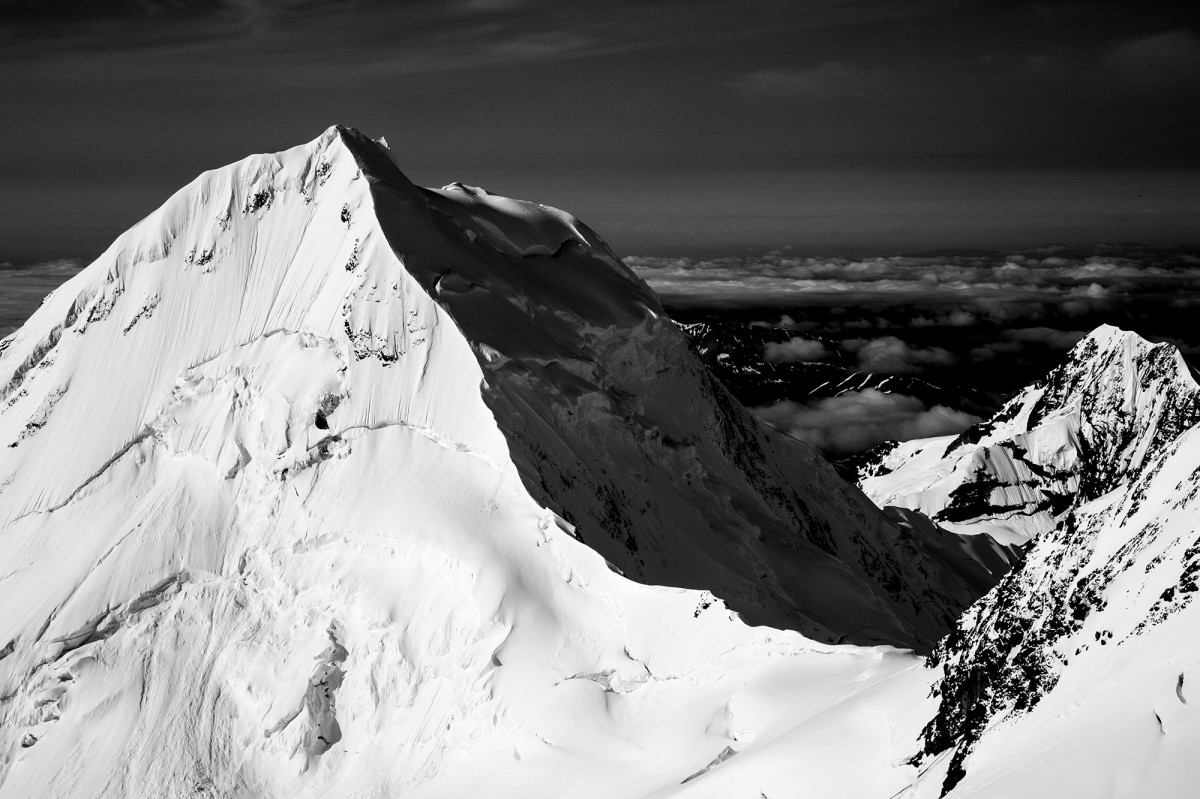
x=1093, y=422
x=317, y=483
x=295, y=481
x=1077, y=664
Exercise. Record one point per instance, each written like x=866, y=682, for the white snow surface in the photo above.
x=1013, y=467
x=262, y=537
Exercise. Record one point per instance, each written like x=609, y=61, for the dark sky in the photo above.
x=688, y=128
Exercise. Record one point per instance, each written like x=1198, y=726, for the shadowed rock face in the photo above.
x=320, y=700
x=615, y=423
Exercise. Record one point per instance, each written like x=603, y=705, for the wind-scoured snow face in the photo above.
x=1076, y=666
x=267, y=525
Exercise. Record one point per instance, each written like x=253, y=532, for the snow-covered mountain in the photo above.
x=1090, y=424
x=293, y=480
x=317, y=483
x=1077, y=665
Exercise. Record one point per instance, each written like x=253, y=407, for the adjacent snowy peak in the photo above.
x=284, y=506
x=1133, y=398
x=1076, y=665
x=1090, y=424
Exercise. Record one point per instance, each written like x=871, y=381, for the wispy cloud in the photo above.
x=795, y=350
x=891, y=355
x=372, y=30
x=541, y=45
x=1162, y=61
x=824, y=81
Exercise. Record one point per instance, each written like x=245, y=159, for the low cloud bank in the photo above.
x=890, y=355
x=958, y=290
x=22, y=289
x=795, y=350
x=858, y=420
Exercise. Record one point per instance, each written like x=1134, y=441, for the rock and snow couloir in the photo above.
x=291, y=478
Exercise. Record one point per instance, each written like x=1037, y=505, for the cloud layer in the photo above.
x=958, y=288
x=22, y=289
x=858, y=420
x=890, y=355
x=832, y=79
x=795, y=350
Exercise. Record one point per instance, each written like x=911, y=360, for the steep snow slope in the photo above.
x=268, y=531
x=1098, y=418
x=1077, y=665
